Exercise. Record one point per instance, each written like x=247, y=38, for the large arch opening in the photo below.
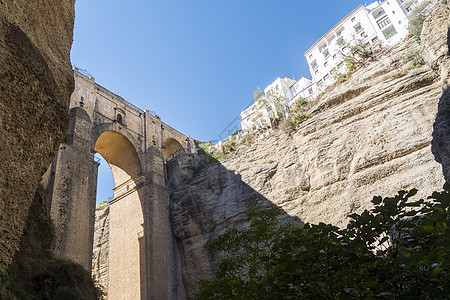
x=172, y=148
x=125, y=254
x=120, y=155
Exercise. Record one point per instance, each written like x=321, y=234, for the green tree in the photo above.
x=397, y=250
x=416, y=18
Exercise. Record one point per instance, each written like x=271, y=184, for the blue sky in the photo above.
x=196, y=63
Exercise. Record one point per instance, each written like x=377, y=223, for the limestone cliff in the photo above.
x=36, y=81
x=101, y=249
x=368, y=136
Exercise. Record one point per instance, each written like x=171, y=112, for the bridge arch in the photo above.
x=120, y=154
x=127, y=223
x=171, y=148
x=142, y=257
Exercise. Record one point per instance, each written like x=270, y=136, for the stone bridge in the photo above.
x=143, y=260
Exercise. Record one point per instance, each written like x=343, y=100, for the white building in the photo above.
x=304, y=88
x=409, y=5
x=254, y=116
x=274, y=100
x=381, y=21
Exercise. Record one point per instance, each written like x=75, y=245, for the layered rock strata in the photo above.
x=370, y=135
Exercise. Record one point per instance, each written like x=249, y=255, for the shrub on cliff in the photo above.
x=397, y=250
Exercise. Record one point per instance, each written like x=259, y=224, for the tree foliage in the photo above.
x=397, y=250
x=417, y=17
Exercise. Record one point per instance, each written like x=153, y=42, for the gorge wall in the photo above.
x=370, y=135
x=36, y=81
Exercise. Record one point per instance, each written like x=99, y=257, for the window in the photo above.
x=314, y=65
x=393, y=12
x=319, y=82
x=339, y=32
x=334, y=56
x=353, y=19
x=325, y=64
x=363, y=35
x=310, y=56
x=119, y=118
x=375, y=39
x=326, y=53
x=310, y=91
x=82, y=101
x=399, y=22
x=325, y=77
x=316, y=72
x=358, y=27
x=276, y=87
x=323, y=47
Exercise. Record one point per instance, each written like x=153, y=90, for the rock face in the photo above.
x=101, y=249
x=368, y=136
x=36, y=81
x=435, y=47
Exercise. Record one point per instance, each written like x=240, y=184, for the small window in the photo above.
x=316, y=72
x=119, y=118
x=399, y=22
x=314, y=65
x=310, y=91
x=375, y=39
x=310, y=56
x=334, y=56
x=325, y=77
x=393, y=12
x=319, y=82
x=358, y=27
x=353, y=19
x=325, y=64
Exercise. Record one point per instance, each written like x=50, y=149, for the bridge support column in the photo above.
x=163, y=260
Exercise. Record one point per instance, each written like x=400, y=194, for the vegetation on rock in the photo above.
x=417, y=17
x=61, y=279
x=397, y=250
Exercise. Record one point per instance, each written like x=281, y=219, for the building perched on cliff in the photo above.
x=382, y=22
x=276, y=99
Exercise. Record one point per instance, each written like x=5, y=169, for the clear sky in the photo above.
x=196, y=63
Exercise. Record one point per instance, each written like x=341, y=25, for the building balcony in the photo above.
x=383, y=22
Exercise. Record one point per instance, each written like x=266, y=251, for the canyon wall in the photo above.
x=370, y=135
x=36, y=81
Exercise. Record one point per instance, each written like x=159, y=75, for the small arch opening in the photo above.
x=119, y=118
x=172, y=148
